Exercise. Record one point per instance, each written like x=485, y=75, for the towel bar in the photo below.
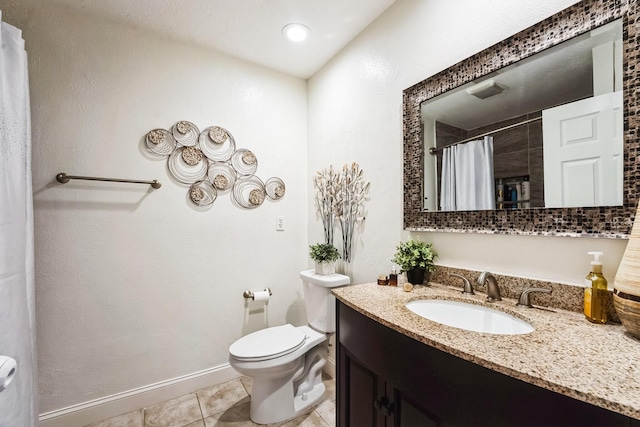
x=64, y=178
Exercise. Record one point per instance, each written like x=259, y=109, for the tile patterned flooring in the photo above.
x=223, y=405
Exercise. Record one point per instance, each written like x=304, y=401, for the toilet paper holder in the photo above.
x=8, y=368
x=249, y=294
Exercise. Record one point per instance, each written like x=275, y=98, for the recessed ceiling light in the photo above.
x=296, y=32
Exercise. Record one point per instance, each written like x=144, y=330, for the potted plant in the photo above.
x=416, y=259
x=325, y=255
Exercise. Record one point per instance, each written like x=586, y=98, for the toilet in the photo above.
x=286, y=361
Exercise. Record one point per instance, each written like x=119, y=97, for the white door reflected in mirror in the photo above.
x=583, y=152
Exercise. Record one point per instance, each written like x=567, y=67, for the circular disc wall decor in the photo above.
x=209, y=162
x=275, y=188
x=185, y=133
x=221, y=175
x=160, y=142
x=202, y=193
x=187, y=165
x=249, y=192
x=217, y=143
x=244, y=162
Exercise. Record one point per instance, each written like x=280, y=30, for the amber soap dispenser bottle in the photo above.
x=595, y=292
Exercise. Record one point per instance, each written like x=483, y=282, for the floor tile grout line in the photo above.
x=200, y=407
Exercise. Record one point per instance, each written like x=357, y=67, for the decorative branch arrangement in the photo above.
x=341, y=197
x=210, y=163
x=326, y=184
x=349, y=205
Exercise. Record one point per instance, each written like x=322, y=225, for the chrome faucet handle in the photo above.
x=493, y=290
x=524, y=300
x=467, y=289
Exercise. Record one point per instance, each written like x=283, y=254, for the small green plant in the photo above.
x=415, y=254
x=322, y=252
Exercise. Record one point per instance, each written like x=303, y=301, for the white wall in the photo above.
x=355, y=114
x=136, y=286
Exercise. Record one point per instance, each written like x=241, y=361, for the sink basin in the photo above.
x=471, y=317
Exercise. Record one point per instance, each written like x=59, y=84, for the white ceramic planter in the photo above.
x=325, y=267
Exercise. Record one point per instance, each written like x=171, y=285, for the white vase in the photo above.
x=325, y=267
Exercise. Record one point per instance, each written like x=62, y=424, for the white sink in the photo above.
x=471, y=317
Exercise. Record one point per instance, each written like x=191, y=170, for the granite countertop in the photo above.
x=598, y=364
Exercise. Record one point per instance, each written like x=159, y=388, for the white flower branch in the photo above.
x=341, y=197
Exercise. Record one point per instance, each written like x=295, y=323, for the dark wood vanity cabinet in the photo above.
x=386, y=379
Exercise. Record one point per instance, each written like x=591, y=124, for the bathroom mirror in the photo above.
x=554, y=118
x=569, y=27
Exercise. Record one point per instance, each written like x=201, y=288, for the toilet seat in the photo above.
x=268, y=343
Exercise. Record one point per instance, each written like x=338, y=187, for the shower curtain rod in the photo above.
x=64, y=178
x=434, y=150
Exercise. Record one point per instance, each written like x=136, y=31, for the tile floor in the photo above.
x=223, y=405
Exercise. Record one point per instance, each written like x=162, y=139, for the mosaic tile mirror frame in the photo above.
x=608, y=221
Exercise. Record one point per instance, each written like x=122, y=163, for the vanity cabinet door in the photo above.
x=408, y=412
x=365, y=394
x=366, y=399
x=361, y=399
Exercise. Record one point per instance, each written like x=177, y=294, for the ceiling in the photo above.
x=248, y=29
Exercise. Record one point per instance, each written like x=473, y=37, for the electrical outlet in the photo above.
x=280, y=223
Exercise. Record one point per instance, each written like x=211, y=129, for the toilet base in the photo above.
x=303, y=403
x=274, y=400
x=270, y=413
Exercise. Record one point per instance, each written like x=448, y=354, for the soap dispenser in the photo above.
x=393, y=277
x=595, y=292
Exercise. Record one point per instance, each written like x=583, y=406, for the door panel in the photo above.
x=408, y=413
x=583, y=145
x=361, y=389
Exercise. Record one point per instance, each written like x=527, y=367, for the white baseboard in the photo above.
x=330, y=367
x=96, y=410
x=100, y=409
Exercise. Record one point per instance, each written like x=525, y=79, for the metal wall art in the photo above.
x=210, y=163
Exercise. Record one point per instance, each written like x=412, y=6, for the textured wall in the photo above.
x=355, y=114
x=137, y=286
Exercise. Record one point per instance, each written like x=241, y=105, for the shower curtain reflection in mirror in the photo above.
x=467, y=176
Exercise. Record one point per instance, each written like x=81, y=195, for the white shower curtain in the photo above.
x=467, y=177
x=17, y=320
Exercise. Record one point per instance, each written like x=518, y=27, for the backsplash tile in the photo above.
x=562, y=296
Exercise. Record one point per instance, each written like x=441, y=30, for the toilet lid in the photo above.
x=268, y=343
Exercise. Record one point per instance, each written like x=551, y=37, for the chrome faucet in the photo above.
x=493, y=290
x=467, y=288
x=524, y=296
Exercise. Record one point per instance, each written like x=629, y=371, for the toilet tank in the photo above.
x=320, y=304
